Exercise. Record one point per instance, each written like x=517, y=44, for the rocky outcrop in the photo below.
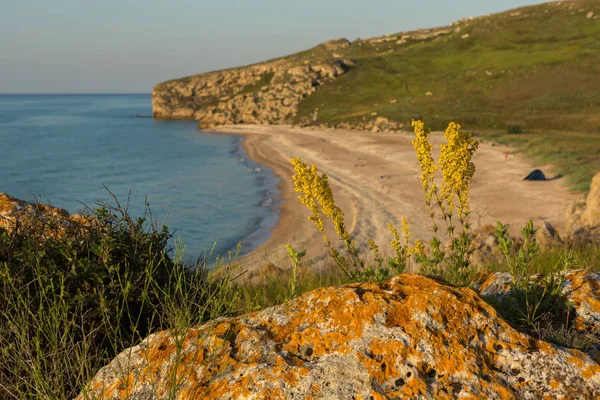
x=270, y=92
x=52, y=220
x=417, y=36
x=266, y=93
x=412, y=337
x=583, y=218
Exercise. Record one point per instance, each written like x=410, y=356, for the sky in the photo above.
x=127, y=46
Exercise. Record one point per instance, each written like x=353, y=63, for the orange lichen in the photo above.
x=409, y=337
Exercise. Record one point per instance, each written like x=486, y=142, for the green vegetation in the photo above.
x=264, y=80
x=74, y=297
x=544, y=261
x=536, y=67
x=576, y=155
x=533, y=70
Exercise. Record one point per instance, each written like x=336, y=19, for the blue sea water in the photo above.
x=65, y=148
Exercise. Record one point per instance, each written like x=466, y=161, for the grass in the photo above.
x=72, y=300
x=74, y=296
x=576, y=155
x=547, y=260
x=539, y=68
x=275, y=288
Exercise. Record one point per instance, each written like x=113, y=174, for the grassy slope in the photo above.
x=539, y=70
x=544, y=67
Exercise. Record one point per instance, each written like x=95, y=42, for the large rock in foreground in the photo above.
x=411, y=337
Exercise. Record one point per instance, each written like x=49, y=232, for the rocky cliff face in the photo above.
x=266, y=93
x=412, y=337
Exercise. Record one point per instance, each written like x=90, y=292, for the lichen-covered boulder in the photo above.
x=412, y=337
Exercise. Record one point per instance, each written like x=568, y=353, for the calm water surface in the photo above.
x=64, y=148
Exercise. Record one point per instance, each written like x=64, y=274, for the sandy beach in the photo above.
x=375, y=180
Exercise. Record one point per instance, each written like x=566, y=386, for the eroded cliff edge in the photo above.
x=265, y=93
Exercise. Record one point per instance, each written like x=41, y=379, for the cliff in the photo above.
x=265, y=93
x=531, y=67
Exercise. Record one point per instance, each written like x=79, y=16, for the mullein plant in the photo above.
x=448, y=202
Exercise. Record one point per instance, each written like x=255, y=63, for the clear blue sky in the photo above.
x=74, y=46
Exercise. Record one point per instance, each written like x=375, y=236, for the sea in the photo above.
x=73, y=151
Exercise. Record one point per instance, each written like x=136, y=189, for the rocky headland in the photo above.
x=266, y=93
x=382, y=83
x=269, y=93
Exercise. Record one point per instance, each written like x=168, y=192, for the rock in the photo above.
x=582, y=219
x=485, y=247
x=429, y=94
x=411, y=337
x=589, y=15
x=336, y=44
x=217, y=98
x=591, y=216
x=298, y=71
x=51, y=221
x=547, y=236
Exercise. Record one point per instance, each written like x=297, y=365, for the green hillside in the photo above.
x=533, y=70
x=537, y=67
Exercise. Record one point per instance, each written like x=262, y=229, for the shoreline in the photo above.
x=261, y=231
x=375, y=181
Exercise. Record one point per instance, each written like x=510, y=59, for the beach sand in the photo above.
x=375, y=181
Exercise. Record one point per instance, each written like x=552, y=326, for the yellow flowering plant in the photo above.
x=445, y=202
x=316, y=195
x=455, y=163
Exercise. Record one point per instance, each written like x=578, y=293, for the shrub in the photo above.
x=536, y=304
x=515, y=129
x=74, y=296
